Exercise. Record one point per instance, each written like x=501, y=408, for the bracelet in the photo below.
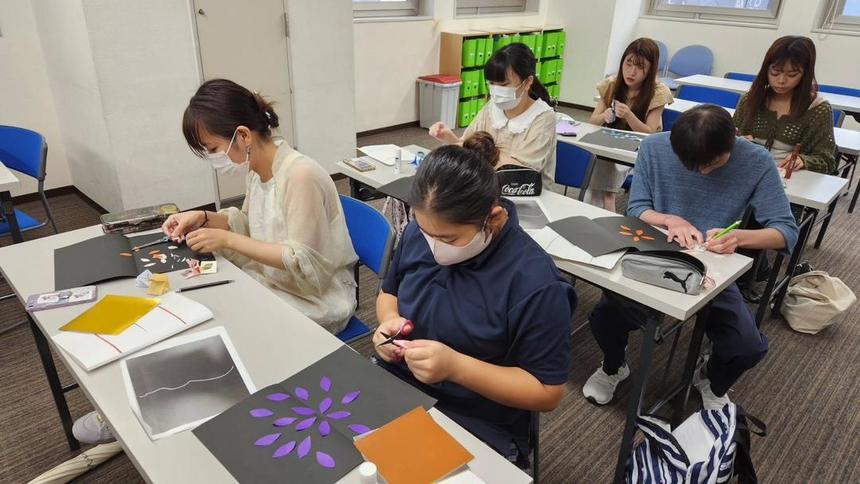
x=205, y=218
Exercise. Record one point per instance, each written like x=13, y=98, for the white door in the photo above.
x=247, y=42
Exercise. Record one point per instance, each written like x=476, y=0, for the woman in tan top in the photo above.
x=291, y=233
x=633, y=104
x=519, y=116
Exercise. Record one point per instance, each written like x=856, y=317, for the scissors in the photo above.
x=161, y=240
x=393, y=339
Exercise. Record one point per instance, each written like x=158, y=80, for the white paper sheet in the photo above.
x=174, y=314
x=558, y=246
x=386, y=154
x=215, y=380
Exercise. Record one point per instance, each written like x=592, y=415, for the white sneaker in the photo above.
x=600, y=387
x=91, y=429
x=709, y=400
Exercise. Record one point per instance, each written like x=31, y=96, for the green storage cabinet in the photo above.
x=529, y=41
x=473, y=109
x=559, y=66
x=480, y=53
x=538, y=67
x=501, y=41
x=547, y=71
x=549, y=44
x=515, y=38
x=538, y=46
x=482, y=84
x=469, y=52
x=488, y=49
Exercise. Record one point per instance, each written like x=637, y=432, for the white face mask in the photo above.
x=447, y=254
x=222, y=162
x=505, y=97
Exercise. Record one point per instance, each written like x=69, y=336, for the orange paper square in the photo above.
x=413, y=449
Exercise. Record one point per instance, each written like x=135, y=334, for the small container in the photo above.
x=419, y=157
x=398, y=158
x=367, y=473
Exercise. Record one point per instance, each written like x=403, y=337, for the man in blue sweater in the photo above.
x=696, y=181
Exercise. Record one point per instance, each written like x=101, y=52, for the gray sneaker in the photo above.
x=91, y=429
x=600, y=387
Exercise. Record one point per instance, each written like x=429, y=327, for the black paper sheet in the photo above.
x=614, y=138
x=398, y=189
x=603, y=235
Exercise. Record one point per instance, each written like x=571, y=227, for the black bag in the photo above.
x=517, y=181
x=743, y=466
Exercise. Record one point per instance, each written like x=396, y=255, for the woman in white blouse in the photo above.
x=290, y=234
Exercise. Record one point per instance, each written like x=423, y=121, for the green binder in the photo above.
x=480, y=53
x=547, y=72
x=538, y=73
x=515, y=38
x=549, y=44
x=482, y=84
x=463, y=114
x=559, y=43
x=558, y=68
x=529, y=41
x=538, y=46
x=469, y=46
x=488, y=46
x=473, y=109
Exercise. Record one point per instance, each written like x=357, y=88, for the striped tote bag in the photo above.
x=699, y=451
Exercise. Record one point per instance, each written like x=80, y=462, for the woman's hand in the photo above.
x=622, y=111
x=607, y=116
x=443, y=133
x=210, y=240
x=430, y=361
x=391, y=352
x=178, y=225
x=798, y=163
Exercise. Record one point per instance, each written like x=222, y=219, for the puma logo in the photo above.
x=683, y=283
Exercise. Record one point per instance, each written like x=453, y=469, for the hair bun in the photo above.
x=483, y=144
x=267, y=110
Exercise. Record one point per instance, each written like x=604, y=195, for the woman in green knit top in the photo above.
x=783, y=109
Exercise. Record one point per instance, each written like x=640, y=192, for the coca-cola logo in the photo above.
x=519, y=189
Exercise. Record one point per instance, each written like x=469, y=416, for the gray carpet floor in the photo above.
x=805, y=390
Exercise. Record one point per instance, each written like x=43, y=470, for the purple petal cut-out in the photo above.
x=283, y=421
x=325, y=405
x=324, y=428
x=325, y=383
x=261, y=412
x=304, y=447
x=359, y=429
x=302, y=393
x=277, y=397
x=325, y=460
x=284, y=449
x=267, y=440
x=338, y=415
x=306, y=423
x=303, y=410
x=350, y=397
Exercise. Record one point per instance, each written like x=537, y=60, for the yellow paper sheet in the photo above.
x=112, y=315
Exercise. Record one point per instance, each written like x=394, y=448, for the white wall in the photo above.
x=390, y=56
x=121, y=77
x=25, y=92
x=622, y=32
x=321, y=67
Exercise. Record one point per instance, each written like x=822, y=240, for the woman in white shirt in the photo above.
x=290, y=234
x=519, y=116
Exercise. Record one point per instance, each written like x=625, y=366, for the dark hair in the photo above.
x=794, y=49
x=220, y=106
x=702, y=134
x=520, y=59
x=458, y=183
x=642, y=49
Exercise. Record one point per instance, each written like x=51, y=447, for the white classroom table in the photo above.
x=273, y=340
x=8, y=182
x=837, y=101
x=621, y=157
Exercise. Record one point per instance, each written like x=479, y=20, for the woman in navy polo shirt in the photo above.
x=490, y=314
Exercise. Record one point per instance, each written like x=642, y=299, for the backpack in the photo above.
x=709, y=447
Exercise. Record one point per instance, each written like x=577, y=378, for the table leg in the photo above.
x=802, y=238
x=690, y=366
x=54, y=382
x=824, y=225
x=636, y=398
x=353, y=188
x=764, y=300
x=9, y=215
x=854, y=198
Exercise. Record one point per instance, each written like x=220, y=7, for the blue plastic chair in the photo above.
x=690, y=60
x=26, y=152
x=573, y=167
x=373, y=241
x=838, y=118
x=669, y=118
x=739, y=76
x=709, y=95
x=664, y=58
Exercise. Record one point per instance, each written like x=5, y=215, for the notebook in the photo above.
x=386, y=154
x=175, y=313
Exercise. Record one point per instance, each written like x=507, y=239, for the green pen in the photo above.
x=727, y=230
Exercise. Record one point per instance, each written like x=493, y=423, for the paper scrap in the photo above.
x=143, y=278
x=158, y=285
x=208, y=267
x=193, y=269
